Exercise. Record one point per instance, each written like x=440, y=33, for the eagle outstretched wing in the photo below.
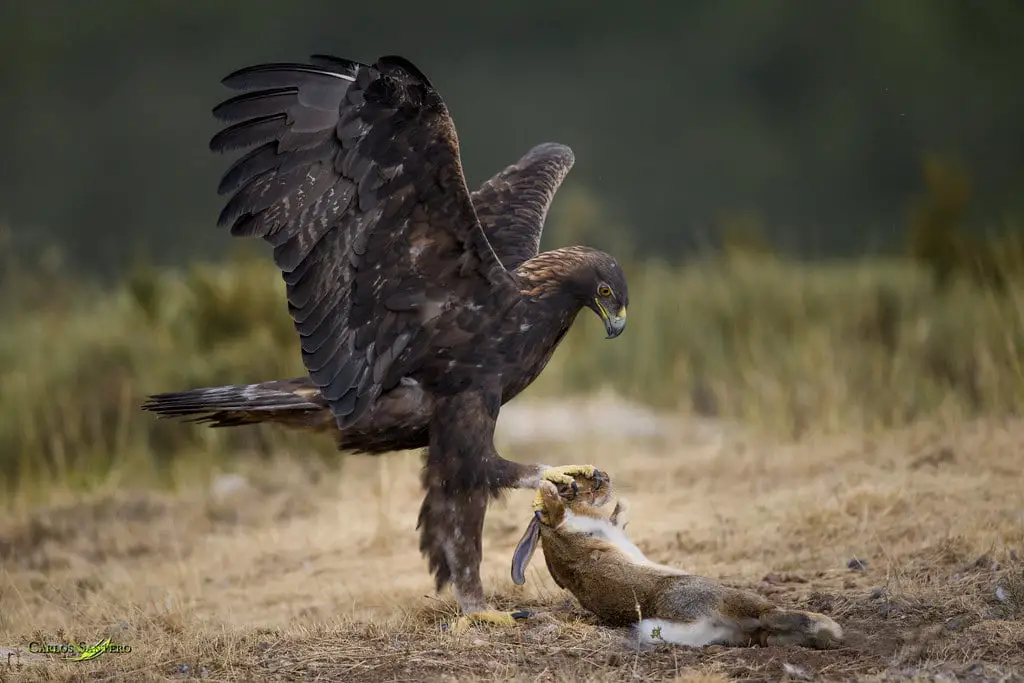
x=513, y=204
x=357, y=183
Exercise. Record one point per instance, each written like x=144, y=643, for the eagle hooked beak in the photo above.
x=613, y=324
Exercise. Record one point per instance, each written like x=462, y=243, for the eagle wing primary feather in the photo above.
x=513, y=204
x=355, y=180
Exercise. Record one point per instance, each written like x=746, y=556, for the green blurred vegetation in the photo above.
x=740, y=333
x=941, y=241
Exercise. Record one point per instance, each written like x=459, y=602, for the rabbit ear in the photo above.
x=524, y=550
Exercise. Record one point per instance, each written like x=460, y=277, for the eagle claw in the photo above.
x=490, y=617
x=564, y=478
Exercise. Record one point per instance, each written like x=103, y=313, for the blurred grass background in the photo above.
x=738, y=332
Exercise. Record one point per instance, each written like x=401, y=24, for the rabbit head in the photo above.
x=549, y=507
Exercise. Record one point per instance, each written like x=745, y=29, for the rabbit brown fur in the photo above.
x=588, y=554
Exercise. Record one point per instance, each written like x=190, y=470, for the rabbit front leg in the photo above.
x=620, y=515
x=548, y=509
x=548, y=502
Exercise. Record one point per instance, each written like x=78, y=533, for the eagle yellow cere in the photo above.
x=421, y=307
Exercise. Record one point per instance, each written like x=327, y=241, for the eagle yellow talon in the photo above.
x=568, y=477
x=566, y=474
x=491, y=617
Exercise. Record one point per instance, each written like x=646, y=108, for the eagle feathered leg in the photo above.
x=457, y=479
x=462, y=472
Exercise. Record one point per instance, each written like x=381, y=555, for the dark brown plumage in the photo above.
x=421, y=308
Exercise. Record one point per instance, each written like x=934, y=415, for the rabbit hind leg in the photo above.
x=781, y=627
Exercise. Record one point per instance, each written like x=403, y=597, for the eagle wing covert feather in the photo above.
x=356, y=182
x=513, y=204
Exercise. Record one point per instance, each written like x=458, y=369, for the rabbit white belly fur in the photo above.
x=694, y=633
x=603, y=528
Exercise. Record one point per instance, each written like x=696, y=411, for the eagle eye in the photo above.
x=604, y=290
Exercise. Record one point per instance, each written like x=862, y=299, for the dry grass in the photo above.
x=297, y=570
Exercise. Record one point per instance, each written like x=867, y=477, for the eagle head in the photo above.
x=579, y=276
x=601, y=285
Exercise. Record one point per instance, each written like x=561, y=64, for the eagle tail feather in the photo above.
x=291, y=402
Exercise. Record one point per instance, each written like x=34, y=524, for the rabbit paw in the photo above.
x=491, y=617
x=547, y=493
x=796, y=627
x=620, y=515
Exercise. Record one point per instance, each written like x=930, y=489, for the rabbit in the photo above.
x=588, y=553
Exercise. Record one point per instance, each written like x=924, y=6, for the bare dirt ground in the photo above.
x=293, y=570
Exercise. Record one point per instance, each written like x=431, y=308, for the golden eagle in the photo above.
x=421, y=307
